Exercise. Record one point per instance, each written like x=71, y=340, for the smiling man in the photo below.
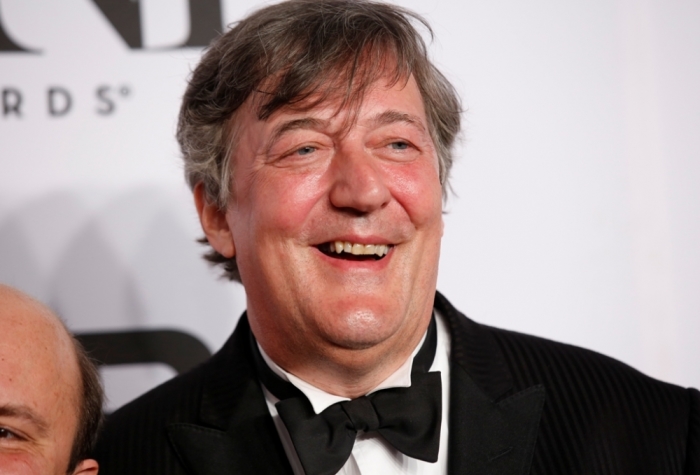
x=333, y=210
x=317, y=140
x=50, y=395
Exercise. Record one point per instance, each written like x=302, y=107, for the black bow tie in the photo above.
x=408, y=418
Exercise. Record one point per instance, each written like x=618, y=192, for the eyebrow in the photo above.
x=384, y=118
x=295, y=124
x=393, y=116
x=24, y=412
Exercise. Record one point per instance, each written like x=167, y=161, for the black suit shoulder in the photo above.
x=134, y=439
x=601, y=415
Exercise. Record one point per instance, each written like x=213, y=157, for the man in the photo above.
x=317, y=139
x=50, y=393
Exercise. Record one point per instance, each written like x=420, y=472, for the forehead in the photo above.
x=38, y=367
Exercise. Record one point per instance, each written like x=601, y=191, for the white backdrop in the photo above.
x=577, y=215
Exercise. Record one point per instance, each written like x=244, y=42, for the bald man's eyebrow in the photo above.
x=24, y=412
x=393, y=116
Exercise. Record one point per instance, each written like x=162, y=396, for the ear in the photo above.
x=214, y=223
x=86, y=467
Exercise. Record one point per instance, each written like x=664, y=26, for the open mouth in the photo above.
x=354, y=251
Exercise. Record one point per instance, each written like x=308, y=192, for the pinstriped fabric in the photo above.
x=220, y=394
x=692, y=457
x=601, y=416
x=475, y=350
x=135, y=441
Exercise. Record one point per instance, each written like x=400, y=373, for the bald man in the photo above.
x=50, y=395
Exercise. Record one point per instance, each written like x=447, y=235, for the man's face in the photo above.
x=38, y=392
x=310, y=183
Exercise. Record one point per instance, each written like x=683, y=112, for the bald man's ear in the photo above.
x=86, y=467
x=214, y=223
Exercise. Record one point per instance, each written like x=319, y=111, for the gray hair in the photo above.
x=301, y=53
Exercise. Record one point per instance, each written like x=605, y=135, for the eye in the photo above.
x=306, y=150
x=8, y=434
x=399, y=145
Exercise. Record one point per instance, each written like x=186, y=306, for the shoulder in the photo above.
x=536, y=360
x=134, y=439
x=599, y=415
x=596, y=406
x=560, y=367
x=176, y=400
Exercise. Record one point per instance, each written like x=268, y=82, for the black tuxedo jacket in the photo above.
x=518, y=405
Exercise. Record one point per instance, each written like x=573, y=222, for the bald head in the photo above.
x=41, y=390
x=25, y=320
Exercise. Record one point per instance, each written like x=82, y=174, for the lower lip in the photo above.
x=370, y=265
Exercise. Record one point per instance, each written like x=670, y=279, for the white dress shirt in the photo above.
x=371, y=454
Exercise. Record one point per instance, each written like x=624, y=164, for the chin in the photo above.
x=361, y=329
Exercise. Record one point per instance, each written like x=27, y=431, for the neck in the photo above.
x=348, y=372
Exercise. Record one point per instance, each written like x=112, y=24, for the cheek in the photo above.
x=417, y=188
x=20, y=464
x=280, y=203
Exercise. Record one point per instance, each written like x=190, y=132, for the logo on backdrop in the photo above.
x=59, y=100
x=125, y=18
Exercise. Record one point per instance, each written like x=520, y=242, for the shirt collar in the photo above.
x=320, y=399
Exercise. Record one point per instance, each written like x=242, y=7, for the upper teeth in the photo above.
x=359, y=249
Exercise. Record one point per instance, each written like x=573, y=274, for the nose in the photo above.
x=358, y=184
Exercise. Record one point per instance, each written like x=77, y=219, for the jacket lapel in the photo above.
x=236, y=434
x=493, y=430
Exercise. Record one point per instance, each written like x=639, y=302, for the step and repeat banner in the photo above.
x=576, y=206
